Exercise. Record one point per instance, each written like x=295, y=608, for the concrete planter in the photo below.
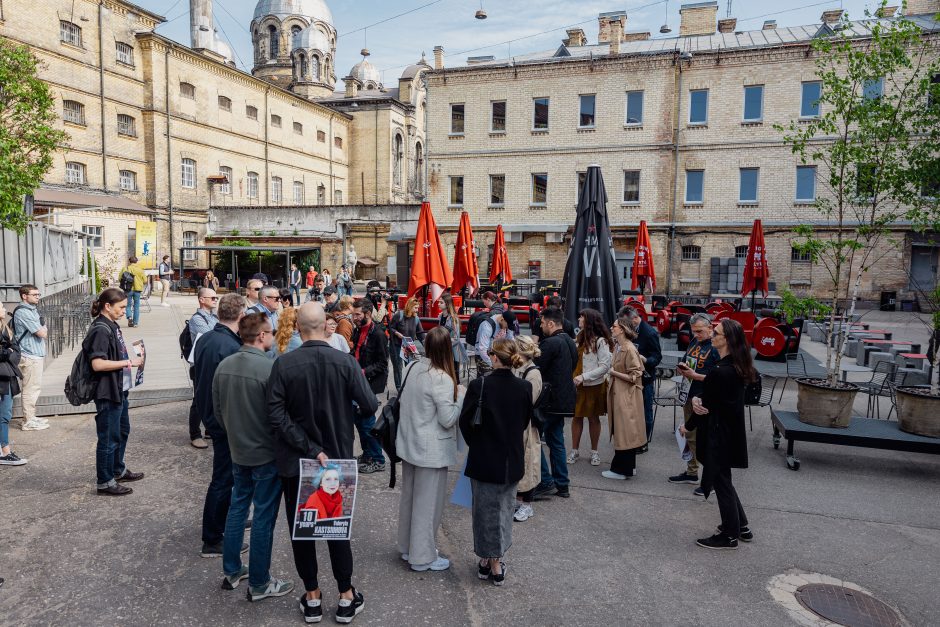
x=918, y=412
x=820, y=405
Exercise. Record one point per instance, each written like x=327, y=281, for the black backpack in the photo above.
x=386, y=428
x=538, y=414
x=81, y=385
x=127, y=281
x=186, y=341
x=473, y=325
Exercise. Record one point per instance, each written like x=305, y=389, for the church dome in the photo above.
x=313, y=10
x=225, y=50
x=312, y=38
x=367, y=74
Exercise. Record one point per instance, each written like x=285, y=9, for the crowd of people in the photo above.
x=276, y=383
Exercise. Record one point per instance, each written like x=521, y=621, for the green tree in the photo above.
x=870, y=144
x=28, y=138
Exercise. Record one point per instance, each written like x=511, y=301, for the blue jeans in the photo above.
x=555, y=439
x=295, y=295
x=219, y=493
x=259, y=485
x=370, y=446
x=133, y=305
x=6, y=413
x=113, y=426
x=649, y=392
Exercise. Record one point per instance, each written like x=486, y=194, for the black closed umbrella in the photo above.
x=591, y=280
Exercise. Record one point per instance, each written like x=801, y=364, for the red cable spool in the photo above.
x=663, y=321
x=640, y=308
x=721, y=315
x=766, y=322
x=768, y=341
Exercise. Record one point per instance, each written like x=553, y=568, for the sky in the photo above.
x=513, y=26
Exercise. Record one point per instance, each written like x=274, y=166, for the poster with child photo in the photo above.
x=326, y=500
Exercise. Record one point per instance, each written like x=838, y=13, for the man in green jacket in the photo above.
x=239, y=396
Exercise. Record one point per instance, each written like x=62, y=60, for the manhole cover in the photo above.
x=845, y=606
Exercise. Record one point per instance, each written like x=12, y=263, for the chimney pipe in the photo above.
x=922, y=7
x=575, y=38
x=201, y=28
x=352, y=86
x=727, y=25
x=698, y=18
x=610, y=23
x=616, y=34
x=832, y=16
x=770, y=25
x=438, y=57
x=885, y=12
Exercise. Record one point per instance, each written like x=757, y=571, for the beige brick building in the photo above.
x=682, y=128
x=177, y=129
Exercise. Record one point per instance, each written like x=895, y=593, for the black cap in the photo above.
x=329, y=290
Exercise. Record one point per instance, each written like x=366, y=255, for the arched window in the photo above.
x=419, y=168
x=128, y=180
x=295, y=36
x=302, y=58
x=73, y=111
x=273, y=46
x=397, y=156
x=75, y=173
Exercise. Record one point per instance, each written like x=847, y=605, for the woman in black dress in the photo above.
x=718, y=418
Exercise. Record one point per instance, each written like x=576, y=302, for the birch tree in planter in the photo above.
x=875, y=76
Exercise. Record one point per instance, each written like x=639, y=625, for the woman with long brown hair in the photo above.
x=405, y=323
x=625, y=402
x=718, y=419
x=590, y=376
x=287, y=337
x=451, y=321
x=427, y=444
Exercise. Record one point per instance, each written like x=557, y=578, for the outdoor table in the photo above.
x=883, y=332
x=863, y=432
x=846, y=368
x=917, y=357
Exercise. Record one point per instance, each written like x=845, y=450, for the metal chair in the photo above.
x=879, y=386
x=766, y=395
x=673, y=400
x=145, y=296
x=796, y=367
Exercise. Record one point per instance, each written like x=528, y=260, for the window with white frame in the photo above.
x=634, y=108
x=740, y=252
x=252, y=184
x=694, y=186
x=277, y=188
x=498, y=116
x=188, y=90
x=188, y=170
x=189, y=239
x=540, y=189
x=497, y=189
x=73, y=112
x=96, y=232
x=586, y=107
x=126, y=125
x=540, y=114
x=691, y=253
x=298, y=193
x=806, y=183
x=128, y=180
x=456, y=191
x=800, y=256
x=225, y=103
x=75, y=173
x=226, y=187
x=124, y=53
x=631, y=186
x=747, y=185
x=811, y=92
x=698, y=106
x=456, y=119
x=70, y=33
x=753, y=103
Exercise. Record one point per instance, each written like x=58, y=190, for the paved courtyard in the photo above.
x=614, y=553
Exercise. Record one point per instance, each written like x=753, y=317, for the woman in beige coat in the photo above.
x=528, y=351
x=625, y=402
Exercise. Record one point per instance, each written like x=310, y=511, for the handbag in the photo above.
x=386, y=428
x=478, y=416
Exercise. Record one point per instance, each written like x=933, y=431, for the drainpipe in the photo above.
x=104, y=149
x=670, y=250
x=332, y=141
x=376, y=158
x=267, y=175
x=427, y=133
x=169, y=153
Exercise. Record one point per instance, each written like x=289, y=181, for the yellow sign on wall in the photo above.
x=146, y=244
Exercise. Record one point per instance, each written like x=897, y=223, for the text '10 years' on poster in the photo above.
x=326, y=499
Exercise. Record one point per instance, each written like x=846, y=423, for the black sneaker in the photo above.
x=643, y=449
x=313, y=611
x=542, y=489
x=499, y=579
x=130, y=476
x=215, y=550
x=115, y=490
x=719, y=541
x=746, y=534
x=483, y=569
x=562, y=491
x=347, y=610
x=699, y=492
x=11, y=460
x=371, y=467
x=684, y=478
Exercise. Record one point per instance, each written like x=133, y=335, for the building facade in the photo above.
x=683, y=129
x=176, y=129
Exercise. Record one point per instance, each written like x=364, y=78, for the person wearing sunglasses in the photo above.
x=252, y=293
x=203, y=321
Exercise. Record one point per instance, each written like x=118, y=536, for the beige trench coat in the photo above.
x=625, y=400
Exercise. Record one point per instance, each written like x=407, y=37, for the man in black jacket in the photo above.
x=557, y=363
x=211, y=349
x=650, y=350
x=536, y=325
x=311, y=396
x=370, y=348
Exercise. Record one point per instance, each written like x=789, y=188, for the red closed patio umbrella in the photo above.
x=429, y=265
x=466, y=268
x=643, y=272
x=499, y=268
x=756, y=270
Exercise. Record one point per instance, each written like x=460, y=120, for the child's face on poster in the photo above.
x=330, y=481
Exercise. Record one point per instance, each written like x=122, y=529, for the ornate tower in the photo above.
x=279, y=28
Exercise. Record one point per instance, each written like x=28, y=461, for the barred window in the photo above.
x=126, y=125
x=73, y=111
x=124, y=53
x=691, y=253
x=70, y=33
x=797, y=255
x=740, y=252
x=75, y=173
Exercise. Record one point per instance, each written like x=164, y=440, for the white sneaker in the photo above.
x=610, y=474
x=574, y=456
x=523, y=513
x=35, y=425
x=441, y=563
x=164, y=304
x=595, y=459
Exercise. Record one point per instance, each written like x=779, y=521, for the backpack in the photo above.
x=19, y=339
x=127, y=281
x=386, y=428
x=538, y=413
x=186, y=341
x=81, y=386
x=473, y=325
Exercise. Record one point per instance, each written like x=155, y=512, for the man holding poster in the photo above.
x=310, y=404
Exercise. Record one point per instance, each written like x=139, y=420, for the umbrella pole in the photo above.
x=753, y=297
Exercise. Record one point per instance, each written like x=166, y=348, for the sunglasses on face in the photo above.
x=210, y=297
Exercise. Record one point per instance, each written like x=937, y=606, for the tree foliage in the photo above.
x=28, y=138
x=875, y=148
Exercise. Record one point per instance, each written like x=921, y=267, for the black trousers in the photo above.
x=194, y=418
x=305, y=551
x=219, y=493
x=732, y=514
x=624, y=462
